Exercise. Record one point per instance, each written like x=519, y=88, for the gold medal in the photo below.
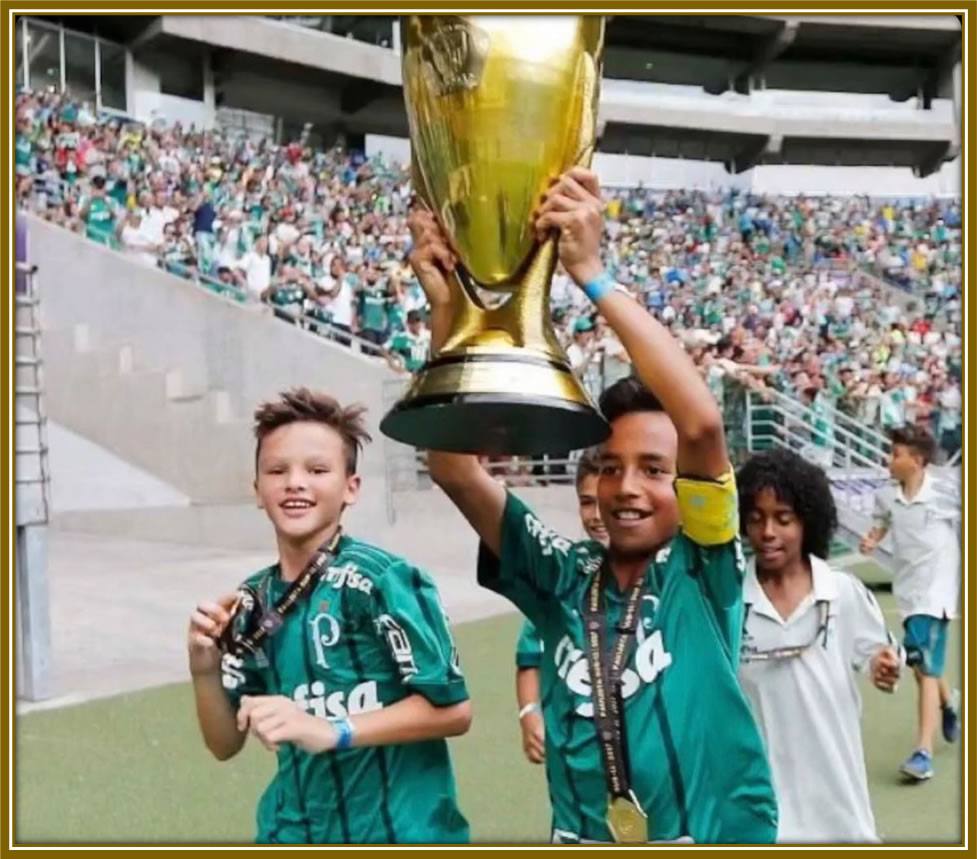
x=627, y=822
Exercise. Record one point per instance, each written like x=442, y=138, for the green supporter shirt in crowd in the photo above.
x=713, y=313
x=413, y=349
x=823, y=420
x=370, y=633
x=119, y=192
x=373, y=307
x=696, y=758
x=100, y=221
x=396, y=316
x=893, y=409
x=284, y=296
x=24, y=155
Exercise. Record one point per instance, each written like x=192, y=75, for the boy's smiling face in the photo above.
x=635, y=491
x=302, y=481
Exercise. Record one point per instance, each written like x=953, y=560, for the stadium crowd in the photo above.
x=801, y=295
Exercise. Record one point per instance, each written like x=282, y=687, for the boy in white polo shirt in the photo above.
x=923, y=517
x=807, y=630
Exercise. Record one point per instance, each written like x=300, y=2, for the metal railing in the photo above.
x=31, y=448
x=406, y=468
x=32, y=486
x=297, y=315
x=302, y=318
x=854, y=456
x=825, y=435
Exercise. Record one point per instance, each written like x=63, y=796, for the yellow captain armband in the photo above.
x=709, y=509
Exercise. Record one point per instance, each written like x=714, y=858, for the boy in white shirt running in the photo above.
x=923, y=517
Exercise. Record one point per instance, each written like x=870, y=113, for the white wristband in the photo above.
x=532, y=707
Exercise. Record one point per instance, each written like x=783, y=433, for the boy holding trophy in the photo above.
x=655, y=739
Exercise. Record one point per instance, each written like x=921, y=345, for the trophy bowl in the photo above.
x=498, y=106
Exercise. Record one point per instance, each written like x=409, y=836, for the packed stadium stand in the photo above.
x=230, y=194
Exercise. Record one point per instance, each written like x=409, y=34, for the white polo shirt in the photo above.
x=925, y=546
x=808, y=707
x=257, y=272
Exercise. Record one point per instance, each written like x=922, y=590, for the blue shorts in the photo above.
x=925, y=643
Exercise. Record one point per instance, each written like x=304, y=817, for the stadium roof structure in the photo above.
x=898, y=55
x=732, y=77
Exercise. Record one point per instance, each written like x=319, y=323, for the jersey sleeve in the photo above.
x=535, y=567
x=410, y=619
x=709, y=514
x=868, y=630
x=529, y=647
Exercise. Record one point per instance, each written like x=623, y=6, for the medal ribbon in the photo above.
x=271, y=621
x=605, y=680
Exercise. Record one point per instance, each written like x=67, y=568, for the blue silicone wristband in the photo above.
x=345, y=730
x=597, y=288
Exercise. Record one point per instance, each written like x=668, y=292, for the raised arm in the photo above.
x=479, y=497
x=573, y=207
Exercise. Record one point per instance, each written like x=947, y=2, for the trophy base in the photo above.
x=496, y=404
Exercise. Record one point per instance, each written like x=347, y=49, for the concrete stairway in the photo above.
x=166, y=375
x=149, y=417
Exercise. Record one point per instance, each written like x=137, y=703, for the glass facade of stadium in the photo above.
x=89, y=68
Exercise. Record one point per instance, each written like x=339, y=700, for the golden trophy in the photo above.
x=498, y=106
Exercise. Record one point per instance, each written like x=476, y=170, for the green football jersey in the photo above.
x=286, y=295
x=529, y=647
x=24, y=155
x=119, y=192
x=370, y=633
x=413, y=349
x=696, y=758
x=396, y=315
x=100, y=222
x=373, y=307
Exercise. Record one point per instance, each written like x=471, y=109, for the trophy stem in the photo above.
x=521, y=322
x=501, y=384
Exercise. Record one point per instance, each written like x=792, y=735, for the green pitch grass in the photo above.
x=133, y=768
